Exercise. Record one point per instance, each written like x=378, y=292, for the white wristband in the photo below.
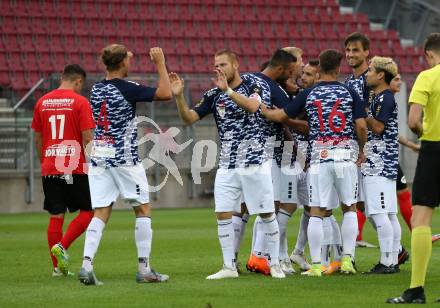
x=229, y=92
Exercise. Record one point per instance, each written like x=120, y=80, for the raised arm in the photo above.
x=250, y=104
x=188, y=116
x=163, y=92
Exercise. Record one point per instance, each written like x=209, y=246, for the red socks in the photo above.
x=76, y=228
x=54, y=234
x=361, y=221
x=405, y=206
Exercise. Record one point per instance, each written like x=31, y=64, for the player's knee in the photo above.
x=142, y=210
x=223, y=215
x=422, y=216
x=288, y=207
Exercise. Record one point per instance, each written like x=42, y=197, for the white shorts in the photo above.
x=289, y=184
x=381, y=195
x=276, y=180
x=253, y=184
x=325, y=178
x=128, y=181
x=361, y=192
x=302, y=189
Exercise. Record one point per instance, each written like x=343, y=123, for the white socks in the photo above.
x=349, y=230
x=271, y=238
x=239, y=224
x=93, y=238
x=337, y=239
x=301, y=240
x=226, y=238
x=327, y=240
x=397, y=234
x=385, y=235
x=315, y=235
x=143, y=236
x=283, y=218
x=258, y=245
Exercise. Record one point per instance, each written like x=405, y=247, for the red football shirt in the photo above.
x=60, y=116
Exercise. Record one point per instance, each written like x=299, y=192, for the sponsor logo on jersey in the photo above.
x=59, y=150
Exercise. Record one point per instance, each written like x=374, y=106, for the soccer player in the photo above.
x=116, y=169
x=281, y=67
x=380, y=171
x=357, y=49
x=334, y=113
x=63, y=125
x=424, y=121
x=244, y=167
x=332, y=233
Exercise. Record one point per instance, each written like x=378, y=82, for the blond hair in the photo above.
x=385, y=64
x=112, y=55
x=294, y=51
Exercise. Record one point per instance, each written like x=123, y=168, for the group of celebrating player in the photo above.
x=344, y=127
x=291, y=136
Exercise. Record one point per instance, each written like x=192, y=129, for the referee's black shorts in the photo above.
x=60, y=196
x=401, y=180
x=426, y=187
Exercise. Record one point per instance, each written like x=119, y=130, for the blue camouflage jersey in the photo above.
x=382, y=150
x=114, y=109
x=242, y=134
x=331, y=109
x=279, y=98
x=359, y=84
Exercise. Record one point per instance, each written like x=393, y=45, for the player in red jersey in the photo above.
x=63, y=125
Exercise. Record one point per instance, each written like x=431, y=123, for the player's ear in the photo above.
x=380, y=75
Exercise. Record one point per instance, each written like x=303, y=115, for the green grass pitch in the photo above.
x=185, y=246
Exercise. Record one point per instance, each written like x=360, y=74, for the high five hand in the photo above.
x=157, y=56
x=220, y=80
x=177, y=84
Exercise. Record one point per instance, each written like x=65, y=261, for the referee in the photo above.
x=425, y=105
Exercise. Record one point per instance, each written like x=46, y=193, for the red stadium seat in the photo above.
x=58, y=61
x=11, y=43
x=44, y=64
x=18, y=81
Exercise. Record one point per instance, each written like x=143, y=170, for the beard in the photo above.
x=356, y=64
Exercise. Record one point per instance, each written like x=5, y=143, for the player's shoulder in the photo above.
x=211, y=93
x=386, y=97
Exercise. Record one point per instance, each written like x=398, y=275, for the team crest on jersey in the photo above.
x=324, y=154
x=221, y=109
x=378, y=109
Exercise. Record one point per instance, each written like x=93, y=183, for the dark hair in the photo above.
x=264, y=65
x=113, y=55
x=387, y=75
x=358, y=37
x=329, y=60
x=432, y=42
x=73, y=71
x=314, y=62
x=232, y=55
x=281, y=57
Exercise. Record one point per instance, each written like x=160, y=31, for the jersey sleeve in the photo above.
x=279, y=97
x=386, y=108
x=86, y=120
x=358, y=105
x=135, y=92
x=297, y=105
x=421, y=90
x=36, y=120
x=204, y=107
